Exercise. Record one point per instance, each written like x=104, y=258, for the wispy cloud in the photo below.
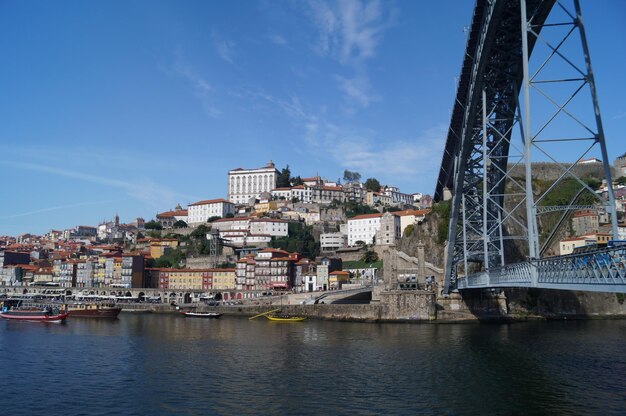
x=291, y=107
x=200, y=85
x=619, y=116
x=225, y=48
x=143, y=189
x=57, y=208
x=278, y=39
x=357, y=90
x=365, y=151
x=201, y=88
x=350, y=31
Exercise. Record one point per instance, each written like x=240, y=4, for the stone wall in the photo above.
x=405, y=305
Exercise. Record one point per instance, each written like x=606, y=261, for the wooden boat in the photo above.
x=278, y=317
x=93, y=310
x=34, y=314
x=213, y=315
x=284, y=318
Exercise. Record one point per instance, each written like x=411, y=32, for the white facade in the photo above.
x=244, y=184
x=333, y=241
x=244, y=238
x=275, y=228
x=201, y=211
x=568, y=245
x=363, y=228
x=302, y=192
x=411, y=217
x=226, y=224
x=397, y=197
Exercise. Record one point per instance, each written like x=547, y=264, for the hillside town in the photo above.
x=272, y=232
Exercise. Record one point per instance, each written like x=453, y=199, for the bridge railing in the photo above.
x=601, y=267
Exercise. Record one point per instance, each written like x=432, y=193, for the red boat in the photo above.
x=34, y=315
x=93, y=310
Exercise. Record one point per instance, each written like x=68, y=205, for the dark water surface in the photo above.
x=162, y=365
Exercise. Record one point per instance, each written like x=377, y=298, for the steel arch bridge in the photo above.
x=494, y=137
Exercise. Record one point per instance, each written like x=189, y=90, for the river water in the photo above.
x=169, y=365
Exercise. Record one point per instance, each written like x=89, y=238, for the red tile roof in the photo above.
x=169, y=214
x=365, y=216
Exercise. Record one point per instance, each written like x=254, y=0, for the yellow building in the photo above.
x=190, y=279
x=224, y=279
x=266, y=206
x=337, y=278
x=159, y=247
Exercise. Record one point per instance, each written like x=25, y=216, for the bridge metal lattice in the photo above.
x=493, y=140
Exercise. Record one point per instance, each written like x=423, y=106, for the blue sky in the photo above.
x=134, y=106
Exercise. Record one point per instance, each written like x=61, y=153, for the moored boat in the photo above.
x=34, y=314
x=93, y=310
x=213, y=315
x=285, y=318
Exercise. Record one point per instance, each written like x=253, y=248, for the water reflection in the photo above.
x=158, y=364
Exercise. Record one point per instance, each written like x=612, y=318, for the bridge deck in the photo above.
x=602, y=270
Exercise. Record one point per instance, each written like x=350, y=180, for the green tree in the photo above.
x=299, y=240
x=283, y=178
x=213, y=218
x=370, y=257
x=392, y=209
x=153, y=225
x=408, y=230
x=372, y=184
x=352, y=209
x=172, y=258
x=180, y=224
x=296, y=181
x=360, y=243
x=621, y=180
x=200, y=232
x=349, y=176
x=230, y=215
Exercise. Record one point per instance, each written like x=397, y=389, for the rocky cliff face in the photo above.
x=427, y=232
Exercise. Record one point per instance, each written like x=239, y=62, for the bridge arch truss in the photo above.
x=509, y=113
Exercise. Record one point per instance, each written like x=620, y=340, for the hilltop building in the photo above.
x=245, y=184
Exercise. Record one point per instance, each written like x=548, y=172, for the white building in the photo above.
x=245, y=238
x=244, y=184
x=363, y=228
x=227, y=224
x=396, y=197
x=567, y=245
x=246, y=231
x=333, y=241
x=268, y=226
x=410, y=216
x=201, y=211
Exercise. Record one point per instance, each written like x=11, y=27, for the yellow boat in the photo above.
x=285, y=318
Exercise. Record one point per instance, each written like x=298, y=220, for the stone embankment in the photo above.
x=417, y=306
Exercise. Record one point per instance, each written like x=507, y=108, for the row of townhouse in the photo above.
x=192, y=279
x=106, y=270
x=273, y=269
x=269, y=269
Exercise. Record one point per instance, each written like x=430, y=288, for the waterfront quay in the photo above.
x=347, y=305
